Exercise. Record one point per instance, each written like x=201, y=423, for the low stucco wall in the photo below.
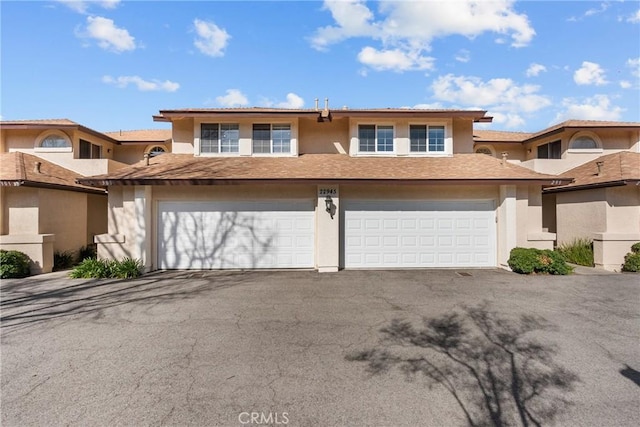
x=38, y=247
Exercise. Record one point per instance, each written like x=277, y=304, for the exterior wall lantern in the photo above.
x=330, y=207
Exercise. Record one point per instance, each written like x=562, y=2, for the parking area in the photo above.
x=233, y=348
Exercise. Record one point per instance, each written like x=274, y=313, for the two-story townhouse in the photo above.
x=43, y=209
x=602, y=203
x=324, y=189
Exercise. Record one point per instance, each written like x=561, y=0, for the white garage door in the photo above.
x=212, y=235
x=419, y=234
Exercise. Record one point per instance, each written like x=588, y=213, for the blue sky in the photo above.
x=111, y=64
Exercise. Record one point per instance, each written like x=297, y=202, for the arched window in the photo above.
x=53, y=141
x=485, y=149
x=155, y=150
x=588, y=141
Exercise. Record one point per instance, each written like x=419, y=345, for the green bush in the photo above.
x=63, y=260
x=105, y=269
x=531, y=260
x=632, y=259
x=13, y=264
x=579, y=251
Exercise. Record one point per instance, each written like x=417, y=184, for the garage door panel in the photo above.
x=419, y=234
x=206, y=235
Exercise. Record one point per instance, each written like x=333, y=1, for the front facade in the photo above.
x=602, y=202
x=272, y=188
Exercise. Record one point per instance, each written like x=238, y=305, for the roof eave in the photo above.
x=618, y=183
x=106, y=182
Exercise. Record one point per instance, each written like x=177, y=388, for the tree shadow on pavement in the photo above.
x=28, y=302
x=498, y=374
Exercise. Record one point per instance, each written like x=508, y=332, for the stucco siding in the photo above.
x=623, y=209
x=463, y=136
x=183, y=136
x=22, y=206
x=579, y=214
x=327, y=137
x=64, y=213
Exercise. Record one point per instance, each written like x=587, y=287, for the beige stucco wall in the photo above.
x=182, y=136
x=623, y=209
x=580, y=213
x=463, y=135
x=326, y=137
x=22, y=208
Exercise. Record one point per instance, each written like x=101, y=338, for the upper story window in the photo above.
x=485, y=149
x=55, y=141
x=219, y=138
x=426, y=139
x=89, y=150
x=271, y=138
x=375, y=138
x=156, y=151
x=551, y=150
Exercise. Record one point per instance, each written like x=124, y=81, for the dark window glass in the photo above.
x=262, y=138
x=209, y=138
x=385, y=138
x=85, y=149
x=418, y=137
x=436, y=138
x=367, y=137
x=551, y=150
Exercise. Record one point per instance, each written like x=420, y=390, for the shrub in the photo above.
x=579, y=251
x=531, y=260
x=105, y=269
x=86, y=252
x=13, y=264
x=632, y=259
x=62, y=260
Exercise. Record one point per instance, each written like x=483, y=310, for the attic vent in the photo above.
x=599, y=165
x=36, y=167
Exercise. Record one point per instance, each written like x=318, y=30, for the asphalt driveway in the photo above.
x=277, y=348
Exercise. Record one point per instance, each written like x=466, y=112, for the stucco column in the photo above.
x=507, y=224
x=143, y=226
x=328, y=229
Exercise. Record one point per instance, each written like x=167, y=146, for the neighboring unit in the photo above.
x=602, y=203
x=367, y=188
x=44, y=210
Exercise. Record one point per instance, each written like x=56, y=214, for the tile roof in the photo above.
x=53, y=124
x=187, y=169
x=615, y=169
x=143, y=135
x=17, y=168
x=481, y=135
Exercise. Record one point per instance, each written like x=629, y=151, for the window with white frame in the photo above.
x=426, y=139
x=375, y=138
x=55, y=141
x=271, y=138
x=219, y=137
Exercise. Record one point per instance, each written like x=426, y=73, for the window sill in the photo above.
x=585, y=150
x=53, y=149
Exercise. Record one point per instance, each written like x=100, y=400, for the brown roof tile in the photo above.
x=144, y=135
x=481, y=135
x=185, y=168
x=17, y=168
x=615, y=169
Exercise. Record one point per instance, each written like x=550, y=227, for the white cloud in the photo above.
x=293, y=101
x=503, y=98
x=394, y=60
x=635, y=18
x=634, y=64
x=590, y=74
x=233, y=98
x=597, y=107
x=212, y=40
x=108, y=35
x=625, y=84
x=406, y=28
x=81, y=6
x=141, y=84
x=535, y=69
